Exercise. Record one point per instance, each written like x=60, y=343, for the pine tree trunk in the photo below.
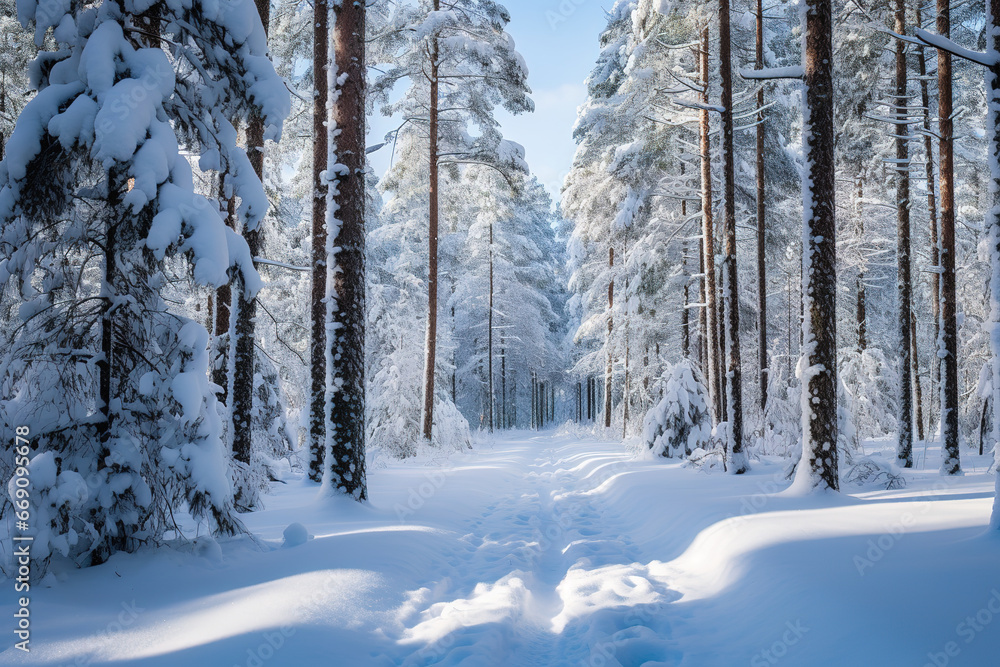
x=762, y=360
x=344, y=470
x=503, y=384
x=489, y=326
x=993, y=236
x=223, y=303
x=918, y=395
x=935, y=366
x=317, y=347
x=708, y=241
x=904, y=450
x=950, y=457
x=244, y=337
x=861, y=310
x=819, y=276
x=685, y=311
x=608, y=346
x=625, y=387
x=734, y=371
x=430, y=347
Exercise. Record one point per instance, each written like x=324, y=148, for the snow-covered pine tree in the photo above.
x=460, y=64
x=738, y=462
x=344, y=451
x=818, y=364
x=317, y=302
x=948, y=336
x=99, y=216
x=680, y=423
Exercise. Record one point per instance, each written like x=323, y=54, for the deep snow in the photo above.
x=554, y=549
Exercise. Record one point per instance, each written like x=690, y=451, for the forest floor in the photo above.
x=550, y=549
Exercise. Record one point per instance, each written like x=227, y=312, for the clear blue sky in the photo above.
x=558, y=40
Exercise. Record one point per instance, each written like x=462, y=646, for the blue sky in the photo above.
x=558, y=39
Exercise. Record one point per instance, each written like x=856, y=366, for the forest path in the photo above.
x=547, y=550
x=544, y=575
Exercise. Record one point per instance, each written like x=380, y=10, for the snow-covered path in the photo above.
x=550, y=550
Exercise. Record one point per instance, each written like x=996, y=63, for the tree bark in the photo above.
x=935, y=365
x=950, y=456
x=993, y=236
x=244, y=337
x=489, y=347
x=861, y=311
x=317, y=348
x=685, y=311
x=608, y=367
x=819, y=263
x=345, y=349
x=762, y=360
x=430, y=348
x=734, y=375
x=223, y=303
x=708, y=240
x=904, y=449
x=918, y=397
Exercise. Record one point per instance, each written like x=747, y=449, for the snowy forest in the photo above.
x=322, y=342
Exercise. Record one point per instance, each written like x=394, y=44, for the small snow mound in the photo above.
x=295, y=535
x=206, y=547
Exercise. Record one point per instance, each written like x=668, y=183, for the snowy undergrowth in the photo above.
x=549, y=550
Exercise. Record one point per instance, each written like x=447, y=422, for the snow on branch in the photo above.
x=271, y=262
x=902, y=38
x=769, y=73
x=697, y=105
x=945, y=44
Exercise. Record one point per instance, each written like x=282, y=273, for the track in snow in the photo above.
x=542, y=577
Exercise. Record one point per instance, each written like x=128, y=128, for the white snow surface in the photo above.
x=553, y=549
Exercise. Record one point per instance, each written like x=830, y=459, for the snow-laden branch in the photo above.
x=271, y=262
x=945, y=44
x=770, y=73
x=902, y=38
x=699, y=106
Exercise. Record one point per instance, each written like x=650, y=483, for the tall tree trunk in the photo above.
x=317, y=347
x=935, y=366
x=489, y=326
x=430, y=346
x=818, y=466
x=993, y=235
x=918, y=397
x=950, y=456
x=708, y=240
x=608, y=367
x=503, y=383
x=904, y=449
x=223, y=303
x=685, y=311
x=344, y=471
x=762, y=361
x=625, y=387
x=861, y=310
x=244, y=338
x=739, y=463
